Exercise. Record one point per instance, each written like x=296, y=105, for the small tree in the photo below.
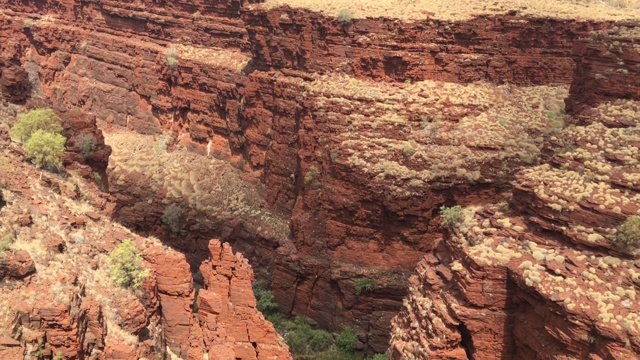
x=126, y=268
x=347, y=340
x=451, y=217
x=628, y=235
x=46, y=149
x=87, y=144
x=34, y=120
x=172, y=217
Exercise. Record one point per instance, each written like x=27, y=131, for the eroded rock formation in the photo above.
x=58, y=297
x=545, y=276
x=14, y=82
x=352, y=133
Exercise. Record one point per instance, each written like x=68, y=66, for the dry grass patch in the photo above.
x=207, y=189
x=407, y=135
x=466, y=9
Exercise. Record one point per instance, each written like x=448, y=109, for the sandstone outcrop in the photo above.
x=492, y=49
x=228, y=325
x=16, y=265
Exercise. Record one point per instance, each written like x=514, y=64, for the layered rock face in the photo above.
x=607, y=67
x=14, y=82
x=59, y=299
x=357, y=130
x=226, y=324
x=500, y=50
x=546, y=275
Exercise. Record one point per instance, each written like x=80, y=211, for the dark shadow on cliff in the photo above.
x=14, y=82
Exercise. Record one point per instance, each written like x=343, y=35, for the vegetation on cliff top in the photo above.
x=467, y=9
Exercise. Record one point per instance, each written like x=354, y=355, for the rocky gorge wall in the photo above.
x=59, y=299
x=356, y=132
x=545, y=275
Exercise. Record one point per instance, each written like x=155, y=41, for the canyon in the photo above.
x=322, y=145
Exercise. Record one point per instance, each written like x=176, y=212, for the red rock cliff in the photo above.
x=545, y=276
x=333, y=119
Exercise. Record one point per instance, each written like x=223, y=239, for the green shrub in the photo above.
x=451, y=217
x=380, y=357
x=98, y=179
x=347, y=340
x=345, y=16
x=46, y=149
x=556, y=119
x=628, y=235
x=126, y=268
x=27, y=23
x=363, y=285
x=172, y=217
x=334, y=354
x=5, y=243
x=312, y=175
x=277, y=320
x=408, y=151
x=334, y=155
x=265, y=302
x=59, y=356
x=87, y=144
x=305, y=341
x=34, y=120
x=503, y=206
x=320, y=340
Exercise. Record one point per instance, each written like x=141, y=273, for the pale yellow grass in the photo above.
x=407, y=135
x=214, y=56
x=464, y=9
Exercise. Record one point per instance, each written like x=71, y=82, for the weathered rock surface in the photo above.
x=544, y=277
x=86, y=149
x=70, y=307
x=226, y=324
x=351, y=164
x=226, y=304
x=607, y=67
x=499, y=50
x=16, y=265
x=14, y=82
